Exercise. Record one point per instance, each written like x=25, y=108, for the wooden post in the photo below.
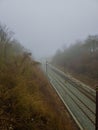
x=46, y=67
x=96, y=107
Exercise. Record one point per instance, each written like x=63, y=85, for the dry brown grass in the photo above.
x=27, y=100
x=25, y=94
x=55, y=107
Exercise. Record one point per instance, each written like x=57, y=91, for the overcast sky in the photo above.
x=43, y=26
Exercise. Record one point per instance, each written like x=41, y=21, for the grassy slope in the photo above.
x=28, y=102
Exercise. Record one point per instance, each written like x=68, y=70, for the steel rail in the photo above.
x=79, y=102
x=85, y=104
x=79, y=85
x=77, y=93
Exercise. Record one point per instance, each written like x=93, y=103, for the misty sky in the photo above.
x=43, y=26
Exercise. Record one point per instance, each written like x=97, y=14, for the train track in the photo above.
x=78, y=98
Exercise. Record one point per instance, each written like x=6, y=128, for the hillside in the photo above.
x=27, y=100
x=80, y=60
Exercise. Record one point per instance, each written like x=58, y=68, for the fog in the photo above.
x=43, y=26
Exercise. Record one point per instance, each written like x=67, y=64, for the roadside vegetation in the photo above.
x=27, y=101
x=80, y=59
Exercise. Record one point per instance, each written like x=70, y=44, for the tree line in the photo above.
x=80, y=58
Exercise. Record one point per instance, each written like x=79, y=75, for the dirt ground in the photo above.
x=83, y=78
x=87, y=80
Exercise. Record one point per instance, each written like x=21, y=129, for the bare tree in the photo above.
x=5, y=39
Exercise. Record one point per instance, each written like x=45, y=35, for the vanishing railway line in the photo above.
x=78, y=98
